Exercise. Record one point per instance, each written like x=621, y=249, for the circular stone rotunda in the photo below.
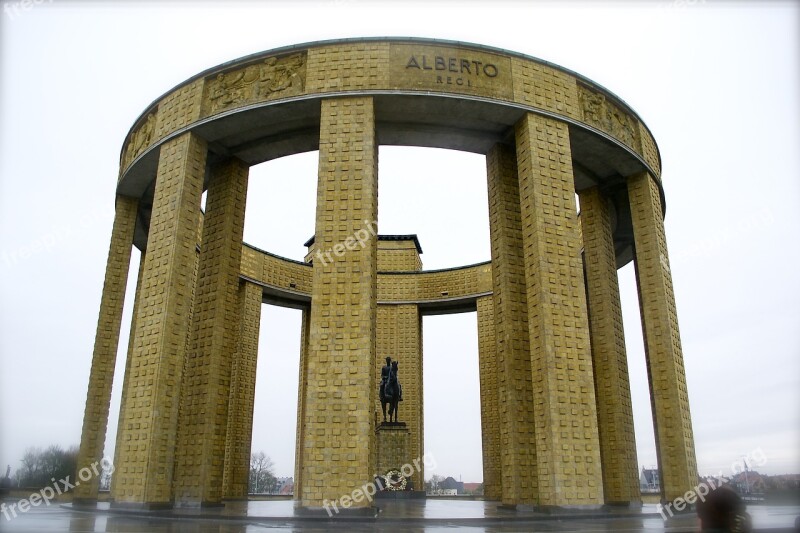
x=555, y=396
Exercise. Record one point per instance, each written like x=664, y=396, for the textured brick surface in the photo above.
x=398, y=256
x=205, y=388
x=348, y=66
x=354, y=66
x=545, y=87
x=649, y=150
x=670, y=399
x=393, y=451
x=490, y=413
x=305, y=330
x=275, y=271
x=106, y=341
x=239, y=434
x=127, y=376
x=515, y=395
x=567, y=444
x=442, y=68
x=179, y=108
x=340, y=390
x=148, y=433
x=612, y=386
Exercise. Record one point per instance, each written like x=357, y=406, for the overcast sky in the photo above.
x=717, y=83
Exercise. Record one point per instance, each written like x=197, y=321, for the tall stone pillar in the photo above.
x=126, y=378
x=305, y=324
x=338, y=420
x=399, y=336
x=205, y=388
x=490, y=416
x=148, y=434
x=567, y=442
x=612, y=386
x=239, y=435
x=106, y=341
x=515, y=396
x=668, y=394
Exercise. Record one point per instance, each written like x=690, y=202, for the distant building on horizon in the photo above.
x=451, y=484
x=649, y=480
x=284, y=485
x=473, y=488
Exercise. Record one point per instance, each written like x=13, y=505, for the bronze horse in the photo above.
x=391, y=392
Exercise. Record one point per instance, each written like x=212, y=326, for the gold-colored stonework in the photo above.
x=450, y=69
x=140, y=139
x=603, y=114
x=556, y=410
x=271, y=78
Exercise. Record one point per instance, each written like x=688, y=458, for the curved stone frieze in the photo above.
x=496, y=87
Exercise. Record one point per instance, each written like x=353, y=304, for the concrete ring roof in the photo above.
x=426, y=92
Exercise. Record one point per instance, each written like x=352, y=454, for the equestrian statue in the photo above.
x=390, y=391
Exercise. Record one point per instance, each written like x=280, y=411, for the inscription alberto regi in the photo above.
x=451, y=70
x=456, y=65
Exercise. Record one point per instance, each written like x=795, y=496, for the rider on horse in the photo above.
x=385, y=372
x=390, y=391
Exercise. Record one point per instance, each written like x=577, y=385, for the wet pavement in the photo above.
x=407, y=516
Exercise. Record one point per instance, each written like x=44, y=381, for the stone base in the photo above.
x=391, y=425
x=555, y=509
x=84, y=502
x=624, y=505
x=393, y=442
x=198, y=505
x=400, y=495
x=142, y=506
x=353, y=513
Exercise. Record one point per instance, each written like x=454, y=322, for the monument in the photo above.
x=555, y=398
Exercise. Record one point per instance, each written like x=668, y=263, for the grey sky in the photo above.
x=717, y=83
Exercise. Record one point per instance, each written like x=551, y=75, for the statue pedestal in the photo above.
x=393, y=438
x=393, y=441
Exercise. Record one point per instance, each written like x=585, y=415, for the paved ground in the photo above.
x=408, y=516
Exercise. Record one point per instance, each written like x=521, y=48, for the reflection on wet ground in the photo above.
x=407, y=516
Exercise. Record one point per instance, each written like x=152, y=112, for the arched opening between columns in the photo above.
x=453, y=397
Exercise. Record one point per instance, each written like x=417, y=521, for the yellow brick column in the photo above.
x=148, y=434
x=126, y=377
x=129, y=359
x=399, y=336
x=106, y=341
x=515, y=396
x=567, y=442
x=409, y=355
x=668, y=393
x=338, y=421
x=612, y=386
x=205, y=388
x=490, y=416
x=236, y=478
x=305, y=324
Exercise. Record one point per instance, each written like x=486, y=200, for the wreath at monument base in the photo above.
x=394, y=480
